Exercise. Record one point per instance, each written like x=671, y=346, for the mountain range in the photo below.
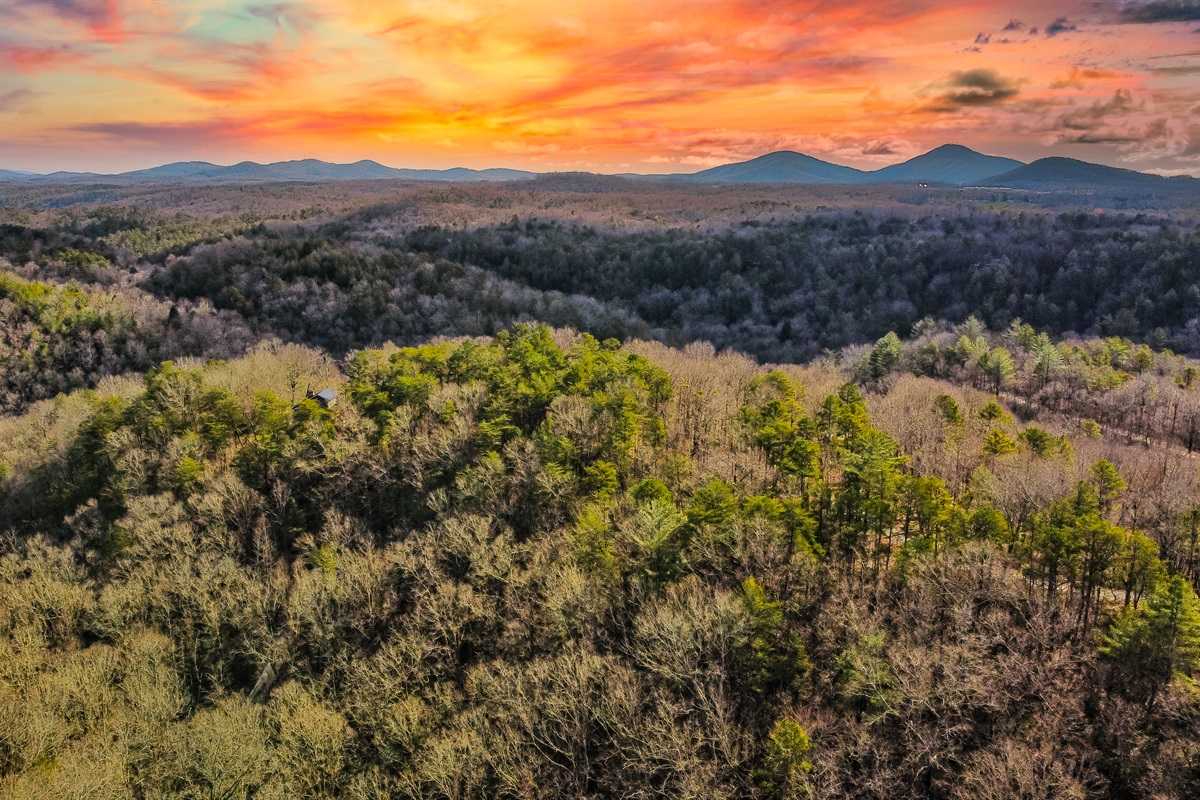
x=948, y=165
x=309, y=169
x=780, y=167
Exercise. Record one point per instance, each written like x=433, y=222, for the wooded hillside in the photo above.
x=545, y=565
x=880, y=494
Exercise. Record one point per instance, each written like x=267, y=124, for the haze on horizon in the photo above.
x=113, y=85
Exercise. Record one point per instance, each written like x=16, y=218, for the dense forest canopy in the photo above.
x=553, y=566
x=783, y=291
x=762, y=276
x=953, y=555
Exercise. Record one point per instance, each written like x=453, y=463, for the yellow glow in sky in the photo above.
x=108, y=85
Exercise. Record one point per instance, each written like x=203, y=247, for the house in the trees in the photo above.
x=326, y=398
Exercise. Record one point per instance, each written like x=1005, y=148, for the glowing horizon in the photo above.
x=114, y=85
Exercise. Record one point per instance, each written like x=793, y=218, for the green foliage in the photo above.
x=783, y=772
x=946, y=406
x=997, y=367
x=1044, y=444
x=998, y=443
x=1158, y=640
x=58, y=338
x=780, y=427
x=593, y=543
x=865, y=680
x=794, y=517
x=1038, y=441
x=325, y=559
x=868, y=505
x=972, y=328
x=1172, y=626
x=155, y=239
x=988, y=523
x=600, y=479
x=1143, y=359
x=438, y=590
x=928, y=359
x=660, y=537
x=993, y=412
x=281, y=437
x=1047, y=358
x=882, y=358
x=774, y=656
x=1138, y=568
x=523, y=372
x=842, y=419
x=1109, y=483
x=95, y=473
x=714, y=504
x=926, y=506
x=650, y=490
x=502, y=568
x=188, y=473
x=1023, y=333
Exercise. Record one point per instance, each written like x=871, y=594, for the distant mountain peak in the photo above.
x=1059, y=173
x=783, y=155
x=952, y=164
x=781, y=166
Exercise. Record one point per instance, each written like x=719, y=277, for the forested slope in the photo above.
x=549, y=566
x=778, y=281
x=785, y=290
x=954, y=556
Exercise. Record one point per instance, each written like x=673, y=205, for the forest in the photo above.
x=756, y=277
x=791, y=500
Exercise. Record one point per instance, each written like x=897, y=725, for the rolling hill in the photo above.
x=949, y=164
x=304, y=170
x=1068, y=174
x=784, y=166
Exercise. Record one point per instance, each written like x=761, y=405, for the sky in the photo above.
x=603, y=86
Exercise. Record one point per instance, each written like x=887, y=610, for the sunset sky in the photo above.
x=607, y=86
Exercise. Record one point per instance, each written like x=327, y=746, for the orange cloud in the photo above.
x=101, y=19
x=537, y=83
x=30, y=59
